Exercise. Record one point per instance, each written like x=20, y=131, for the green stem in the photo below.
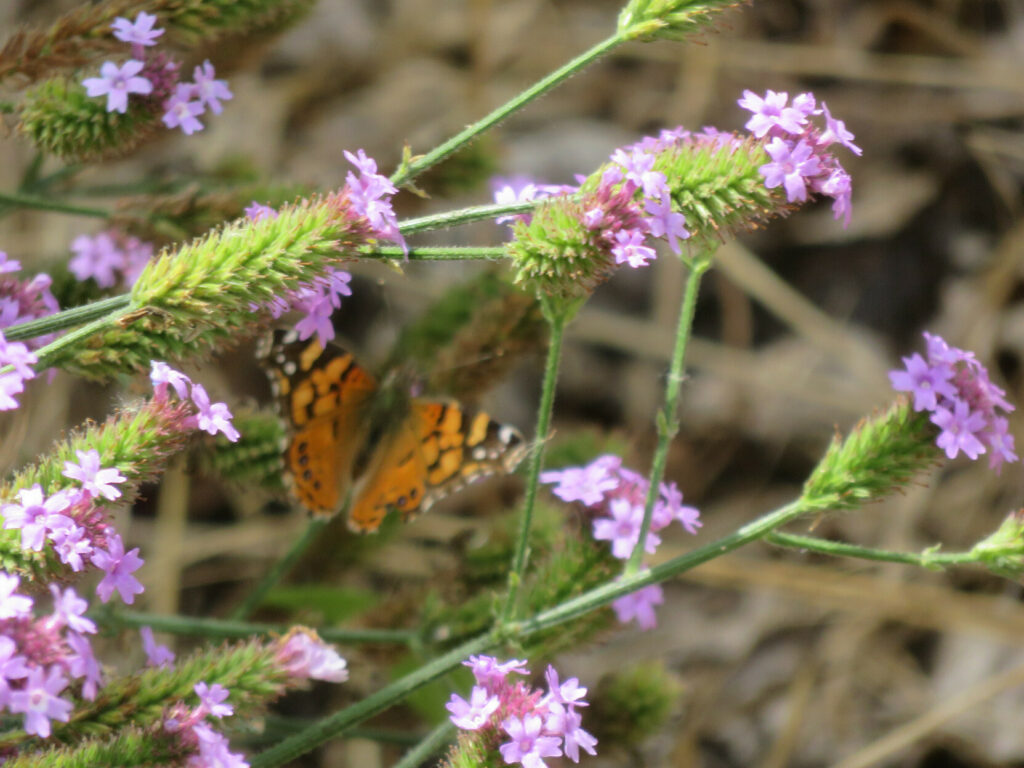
x=932, y=560
x=280, y=568
x=460, y=216
x=46, y=354
x=67, y=318
x=429, y=746
x=224, y=628
x=547, y=400
x=437, y=253
x=43, y=204
x=668, y=419
x=606, y=593
x=345, y=719
x=409, y=171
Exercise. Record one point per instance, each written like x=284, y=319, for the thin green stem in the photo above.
x=226, y=628
x=460, y=216
x=668, y=419
x=606, y=593
x=16, y=200
x=437, y=253
x=280, y=569
x=409, y=171
x=428, y=746
x=334, y=725
x=547, y=401
x=46, y=354
x=932, y=560
x=67, y=318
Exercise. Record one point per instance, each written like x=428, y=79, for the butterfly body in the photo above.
x=374, y=448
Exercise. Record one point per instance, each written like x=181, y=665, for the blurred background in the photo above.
x=781, y=659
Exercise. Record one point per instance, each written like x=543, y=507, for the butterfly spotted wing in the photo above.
x=322, y=394
x=434, y=448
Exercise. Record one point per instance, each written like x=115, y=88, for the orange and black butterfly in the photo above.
x=355, y=443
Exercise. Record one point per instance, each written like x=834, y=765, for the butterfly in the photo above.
x=373, y=448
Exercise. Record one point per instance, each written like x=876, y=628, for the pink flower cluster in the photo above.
x=620, y=222
x=24, y=300
x=536, y=724
x=40, y=656
x=157, y=78
x=189, y=725
x=616, y=495
x=109, y=257
x=370, y=195
x=964, y=403
x=208, y=417
x=801, y=159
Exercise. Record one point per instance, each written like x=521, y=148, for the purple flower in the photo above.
x=215, y=417
x=12, y=667
x=39, y=700
x=213, y=750
x=161, y=375
x=566, y=722
x=771, y=111
x=258, y=211
x=490, y=673
x=570, y=692
x=639, y=606
x=119, y=567
x=791, y=167
x=838, y=187
x=370, y=195
x=208, y=89
x=664, y=222
x=211, y=699
x=72, y=544
x=181, y=111
x=156, y=655
x=528, y=746
x=1001, y=442
x=35, y=515
x=473, y=714
x=11, y=384
x=304, y=655
x=95, y=481
x=960, y=427
x=141, y=32
x=319, y=301
x=83, y=664
x=835, y=131
x=13, y=605
x=69, y=610
x=585, y=484
x=623, y=529
x=670, y=507
x=116, y=83
x=639, y=168
x=926, y=382
x=8, y=264
x=16, y=354
x=98, y=257
x=519, y=189
x=629, y=248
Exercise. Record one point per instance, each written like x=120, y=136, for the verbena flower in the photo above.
x=370, y=194
x=616, y=497
x=139, y=32
x=117, y=83
x=21, y=301
x=95, y=480
x=258, y=211
x=157, y=655
x=964, y=403
x=180, y=111
x=118, y=566
x=18, y=356
x=212, y=698
x=532, y=724
x=802, y=161
x=303, y=654
x=40, y=701
x=109, y=257
x=208, y=89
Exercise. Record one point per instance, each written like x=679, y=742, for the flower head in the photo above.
x=139, y=32
x=95, y=481
x=117, y=83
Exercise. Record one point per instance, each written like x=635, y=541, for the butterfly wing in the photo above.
x=437, y=450
x=323, y=395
